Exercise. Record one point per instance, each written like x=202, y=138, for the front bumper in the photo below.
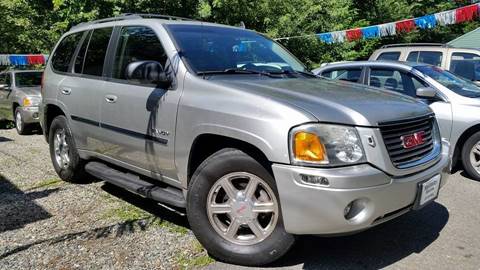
x=308, y=209
x=30, y=114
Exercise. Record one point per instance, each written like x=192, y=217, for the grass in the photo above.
x=128, y=212
x=195, y=257
x=46, y=183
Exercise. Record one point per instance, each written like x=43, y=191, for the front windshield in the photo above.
x=28, y=79
x=452, y=82
x=216, y=49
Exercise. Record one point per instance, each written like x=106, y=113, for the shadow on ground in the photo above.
x=17, y=208
x=373, y=249
x=162, y=213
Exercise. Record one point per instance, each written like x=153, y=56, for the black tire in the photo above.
x=213, y=168
x=20, y=126
x=467, y=147
x=75, y=171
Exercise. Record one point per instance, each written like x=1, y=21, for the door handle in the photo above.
x=66, y=91
x=111, y=98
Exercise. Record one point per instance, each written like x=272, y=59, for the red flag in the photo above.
x=465, y=14
x=35, y=59
x=405, y=26
x=354, y=34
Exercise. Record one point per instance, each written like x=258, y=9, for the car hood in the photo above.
x=335, y=101
x=30, y=91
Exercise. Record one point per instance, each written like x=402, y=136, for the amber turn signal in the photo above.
x=308, y=147
x=27, y=102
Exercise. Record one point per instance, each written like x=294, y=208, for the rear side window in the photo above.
x=137, y=43
x=468, y=69
x=427, y=57
x=465, y=56
x=97, y=49
x=393, y=56
x=395, y=80
x=79, y=60
x=350, y=74
x=65, y=50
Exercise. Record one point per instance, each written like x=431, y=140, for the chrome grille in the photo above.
x=393, y=131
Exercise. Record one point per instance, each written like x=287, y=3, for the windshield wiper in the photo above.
x=236, y=71
x=304, y=73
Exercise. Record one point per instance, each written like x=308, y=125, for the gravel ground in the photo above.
x=49, y=224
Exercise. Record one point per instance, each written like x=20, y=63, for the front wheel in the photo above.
x=471, y=156
x=20, y=126
x=234, y=211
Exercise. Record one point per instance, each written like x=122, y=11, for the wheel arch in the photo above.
x=204, y=145
x=461, y=141
x=50, y=112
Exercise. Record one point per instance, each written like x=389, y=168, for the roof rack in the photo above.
x=416, y=44
x=132, y=16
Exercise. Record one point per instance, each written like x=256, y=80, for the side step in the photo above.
x=133, y=183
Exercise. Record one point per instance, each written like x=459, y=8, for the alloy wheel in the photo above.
x=61, y=148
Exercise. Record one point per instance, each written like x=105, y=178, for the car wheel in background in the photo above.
x=233, y=209
x=66, y=161
x=20, y=125
x=471, y=156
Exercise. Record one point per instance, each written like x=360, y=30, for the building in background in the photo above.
x=469, y=40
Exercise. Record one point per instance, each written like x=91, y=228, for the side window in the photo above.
x=465, y=56
x=394, y=56
x=63, y=54
x=97, y=49
x=350, y=74
x=467, y=69
x=2, y=78
x=8, y=79
x=79, y=60
x=412, y=57
x=395, y=80
x=137, y=43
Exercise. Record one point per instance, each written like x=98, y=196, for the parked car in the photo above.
x=228, y=124
x=454, y=100
x=20, y=98
x=440, y=55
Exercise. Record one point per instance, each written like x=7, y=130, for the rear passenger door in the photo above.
x=80, y=90
x=138, y=119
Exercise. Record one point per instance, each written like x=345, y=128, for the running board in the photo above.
x=133, y=183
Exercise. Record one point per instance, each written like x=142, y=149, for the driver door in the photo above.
x=5, y=103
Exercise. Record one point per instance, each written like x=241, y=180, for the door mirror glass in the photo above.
x=4, y=87
x=426, y=92
x=148, y=72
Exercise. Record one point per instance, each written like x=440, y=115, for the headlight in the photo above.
x=26, y=102
x=325, y=144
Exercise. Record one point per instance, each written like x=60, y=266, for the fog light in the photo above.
x=346, y=211
x=35, y=115
x=314, y=180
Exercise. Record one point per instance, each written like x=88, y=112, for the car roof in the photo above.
x=142, y=19
x=397, y=64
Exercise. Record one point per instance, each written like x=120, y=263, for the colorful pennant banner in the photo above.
x=429, y=21
x=22, y=59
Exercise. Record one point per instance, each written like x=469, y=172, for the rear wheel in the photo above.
x=66, y=161
x=234, y=211
x=471, y=156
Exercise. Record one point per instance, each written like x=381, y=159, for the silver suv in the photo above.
x=228, y=124
x=20, y=98
x=464, y=62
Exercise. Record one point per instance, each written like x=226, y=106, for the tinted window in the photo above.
x=137, y=43
x=351, y=74
x=63, y=54
x=97, y=49
x=79, y=60
x=468, y=69
x=395, y=80
x=389, y=56
x=28, y=79
x=412, y=57
x=432, y=58
x=212, y=48
x=465, y=56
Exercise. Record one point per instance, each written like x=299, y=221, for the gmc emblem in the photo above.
x=412, y=140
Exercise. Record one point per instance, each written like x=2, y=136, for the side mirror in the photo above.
x=4, y=87
x=148, y=72
x=426, y=92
